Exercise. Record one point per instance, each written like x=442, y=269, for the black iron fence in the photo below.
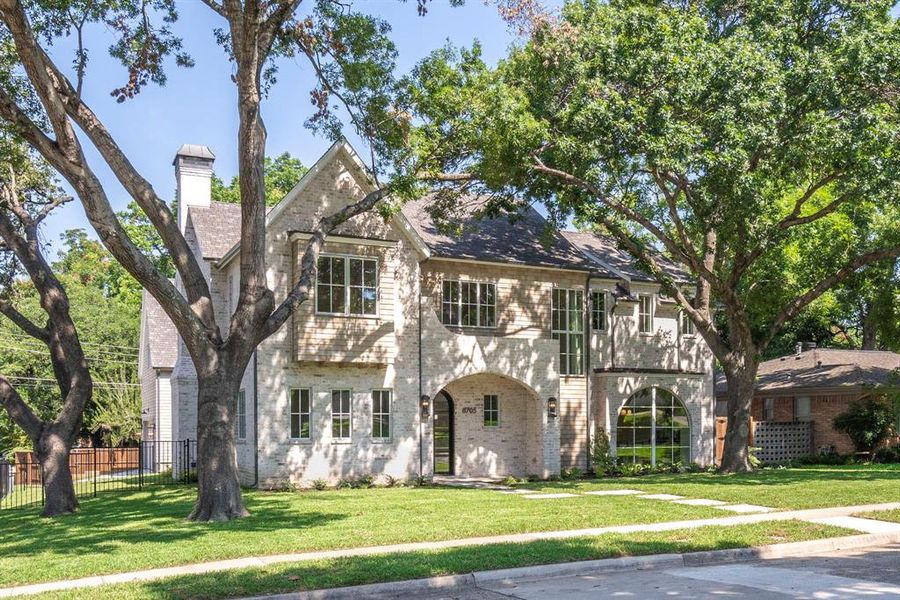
x=96, y=470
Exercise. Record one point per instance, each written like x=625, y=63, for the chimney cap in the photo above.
x=194, y=151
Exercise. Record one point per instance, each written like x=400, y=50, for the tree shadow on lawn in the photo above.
x=113, y=519
x=295, y=577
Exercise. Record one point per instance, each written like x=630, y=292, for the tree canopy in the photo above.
x=281, y=174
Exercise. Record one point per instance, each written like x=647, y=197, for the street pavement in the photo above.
x=870, y=573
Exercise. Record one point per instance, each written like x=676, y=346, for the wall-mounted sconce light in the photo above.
x=425, y=403
x=552, y=407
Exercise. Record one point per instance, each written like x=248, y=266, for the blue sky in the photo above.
x=198, y=105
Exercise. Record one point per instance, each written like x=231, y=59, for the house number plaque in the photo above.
x=471, y=410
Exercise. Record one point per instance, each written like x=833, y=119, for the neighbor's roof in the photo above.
x=218, y=227
x=824, y=368
x=501, y=239
x=162, y=338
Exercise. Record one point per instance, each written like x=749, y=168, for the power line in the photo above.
x=89, y=358
x=54, y=382
x=133, y=349
x=37, y=347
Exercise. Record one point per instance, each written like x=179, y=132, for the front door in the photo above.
x=443, y=434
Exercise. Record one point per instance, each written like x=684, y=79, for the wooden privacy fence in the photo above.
x=84, y=462
x=776, y=441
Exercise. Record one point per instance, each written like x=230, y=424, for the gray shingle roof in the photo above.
x=162, y=338
x=824, y=368
x=218, y=227
x=500, y=239
x=605, y=250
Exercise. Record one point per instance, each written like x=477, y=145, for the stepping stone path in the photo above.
x=549, y=496
x=745, y=508
x=700, y=502
x=660, y=497
x=719, y=504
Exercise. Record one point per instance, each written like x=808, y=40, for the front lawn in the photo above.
x=118, y=532
x=793, y=488
x=293, y=577
x=882, y=515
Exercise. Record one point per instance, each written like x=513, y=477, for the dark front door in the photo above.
x=443, y=434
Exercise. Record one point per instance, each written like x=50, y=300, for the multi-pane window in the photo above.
x=340, y=414
x=568, y=327
x=598, y=311
x=469, y=304
x=381, y=414
x=768, y=409
x=240, y=417
x=653, y=428
x=687, y=324
x=645, y=313
x=491, y=410
x=347, y=285
x=301, y=427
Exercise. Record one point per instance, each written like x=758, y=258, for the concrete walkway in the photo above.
x=813, y=515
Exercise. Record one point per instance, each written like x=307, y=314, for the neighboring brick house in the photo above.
x=479, y=355
x=814, y=385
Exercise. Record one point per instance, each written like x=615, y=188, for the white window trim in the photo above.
x=334, y=439
x=347, y=313
x=606, y=315
x=683, y=318
x=652, y=315
x=459, y=303
x=484, y=413
x=300, y=440
x=390, y=415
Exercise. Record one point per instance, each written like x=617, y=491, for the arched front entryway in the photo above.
x=496, y=427
x=653, y=427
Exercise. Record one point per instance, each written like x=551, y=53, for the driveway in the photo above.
x=871, y=573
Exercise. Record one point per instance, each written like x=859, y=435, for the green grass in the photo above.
x=293, y=577
x=118, y=532
x=795, y=488
x=882, y=515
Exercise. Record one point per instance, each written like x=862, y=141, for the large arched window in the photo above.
x=653, y=428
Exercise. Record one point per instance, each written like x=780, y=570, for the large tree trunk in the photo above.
x=52, y=452
x=869, y=329
x=741, y=382
x=218, y=484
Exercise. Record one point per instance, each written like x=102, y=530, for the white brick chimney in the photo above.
x=193, y=174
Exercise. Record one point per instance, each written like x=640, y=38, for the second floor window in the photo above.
x=469, y=304
x=300, y=414
x=687, y=325
x=567, y=310
x=645, y=313
x=347, y=286
x=598, y=311
x=340, y=414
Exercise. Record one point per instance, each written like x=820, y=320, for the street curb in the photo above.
x=413, y=587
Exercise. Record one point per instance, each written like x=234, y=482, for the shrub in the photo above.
x=420, y=481
x=890, y=454
x=320, y=484
x=751, y=455
x=867, y=422
x=390, y=481
x=509, y=480
x=364, y=481
x=601, y=454
x=343, y=484
x=573, y=473
x=694, y=468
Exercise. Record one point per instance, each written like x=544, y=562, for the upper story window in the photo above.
x=567, y=311
x=802, y=410
x=687, y=324
x=599, y=314
x=645, y=313
x=347, y=285
x=469, y=304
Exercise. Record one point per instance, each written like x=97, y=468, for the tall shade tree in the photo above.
x=353, y=61
x=27, y=196
x=738, y=138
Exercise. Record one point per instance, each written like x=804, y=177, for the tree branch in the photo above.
x=23, y=322
x=798, y=304
x=20, y=412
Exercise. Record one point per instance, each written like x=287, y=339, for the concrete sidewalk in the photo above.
x=812, y=515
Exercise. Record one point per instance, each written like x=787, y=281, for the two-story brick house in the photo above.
x=483, y=354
